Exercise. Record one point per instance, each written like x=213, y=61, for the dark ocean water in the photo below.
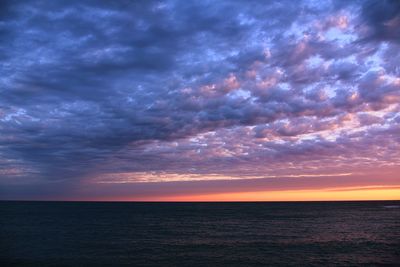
x=199, y=234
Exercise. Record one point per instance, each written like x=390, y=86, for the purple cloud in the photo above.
x=183, y=90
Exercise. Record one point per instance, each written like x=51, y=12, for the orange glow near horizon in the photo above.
x=287, y=195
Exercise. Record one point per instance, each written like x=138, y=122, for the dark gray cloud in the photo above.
x=90, y=88
x=382, y=19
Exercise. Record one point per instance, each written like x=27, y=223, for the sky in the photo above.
x=199, y=100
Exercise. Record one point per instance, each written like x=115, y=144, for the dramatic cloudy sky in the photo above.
x=172, y=99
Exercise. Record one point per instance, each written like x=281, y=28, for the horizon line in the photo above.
x=239, y=201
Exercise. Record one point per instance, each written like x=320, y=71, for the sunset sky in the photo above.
x=199, y=100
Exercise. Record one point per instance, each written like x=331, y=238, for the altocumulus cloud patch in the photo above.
x=149, y=91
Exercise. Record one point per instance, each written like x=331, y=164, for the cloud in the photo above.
x=382, y=19
x=91, y=89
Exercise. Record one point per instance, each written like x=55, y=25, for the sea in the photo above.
x=200, y=234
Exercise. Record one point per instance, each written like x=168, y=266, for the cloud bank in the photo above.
x=170, y=91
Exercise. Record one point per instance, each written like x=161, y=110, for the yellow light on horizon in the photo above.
x=289, y=195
